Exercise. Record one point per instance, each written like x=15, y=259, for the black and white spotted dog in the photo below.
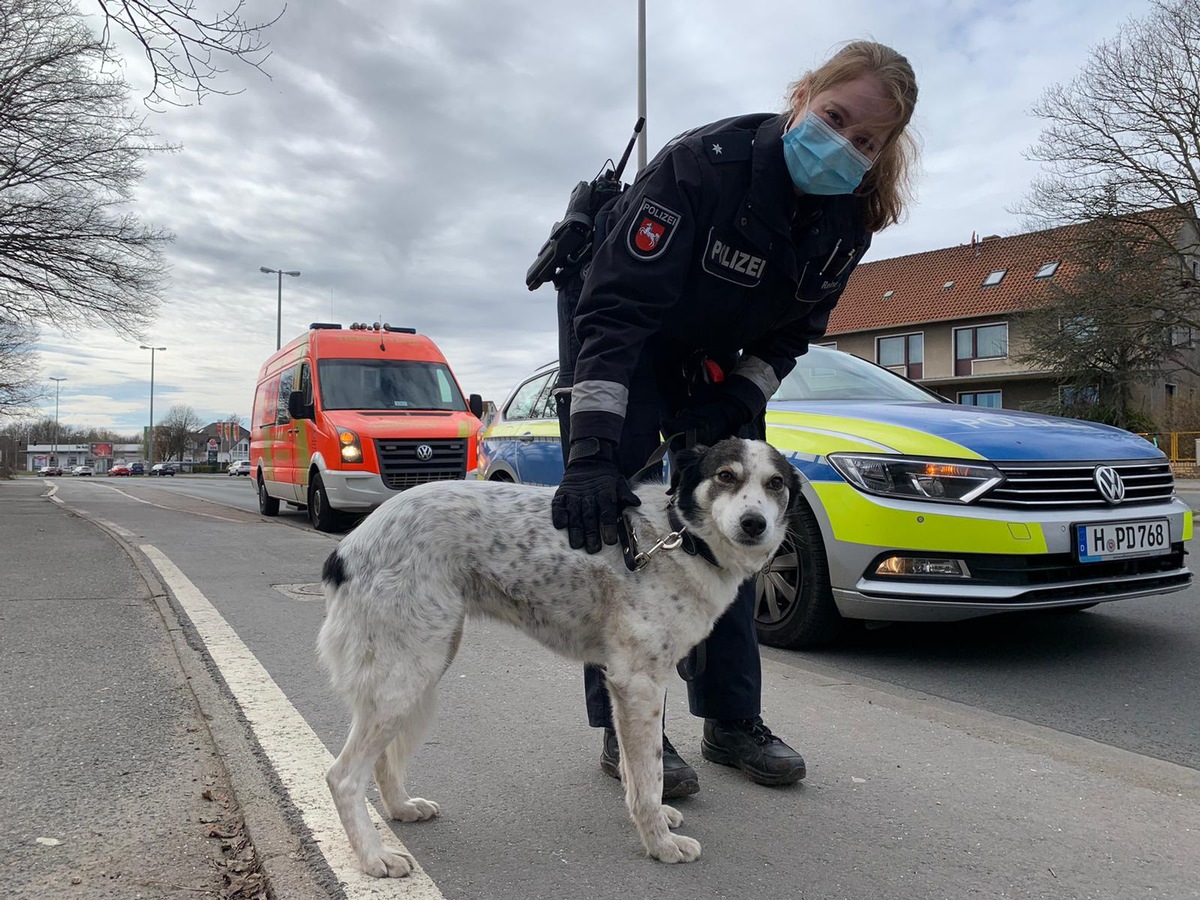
x=400, y=586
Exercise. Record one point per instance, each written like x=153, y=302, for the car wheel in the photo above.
x=267, y=505
x=323, y=516
x=794, y=605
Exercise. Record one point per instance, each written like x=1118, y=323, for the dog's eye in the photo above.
x=775, y=484
x=726, y=477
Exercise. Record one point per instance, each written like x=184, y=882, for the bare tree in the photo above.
x=1120, y=155
x=19, y=383
x=186, y=47
x=174, y=433
x=71, y=253
x=1124, y=136
x=1100, y=331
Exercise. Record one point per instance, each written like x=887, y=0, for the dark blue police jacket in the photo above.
x=711, y=250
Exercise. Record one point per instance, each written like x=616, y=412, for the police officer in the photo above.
x=712, y=273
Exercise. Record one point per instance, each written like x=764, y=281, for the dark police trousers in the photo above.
x=730, y=684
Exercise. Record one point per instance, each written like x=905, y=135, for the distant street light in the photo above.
x=150, y=433
x=278, y=301
x=56, y=381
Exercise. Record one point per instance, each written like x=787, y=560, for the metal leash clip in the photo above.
x=636, y=559
x=671, y=541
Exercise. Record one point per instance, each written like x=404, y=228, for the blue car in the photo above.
x=918, y=509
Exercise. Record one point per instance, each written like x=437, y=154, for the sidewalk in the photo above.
x=112, y=785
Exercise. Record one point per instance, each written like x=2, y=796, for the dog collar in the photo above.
x=691, y=544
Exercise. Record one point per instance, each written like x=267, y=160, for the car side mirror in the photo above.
x=475, y=404
x=297, y=408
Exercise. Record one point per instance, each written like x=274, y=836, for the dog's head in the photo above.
x=737, y=496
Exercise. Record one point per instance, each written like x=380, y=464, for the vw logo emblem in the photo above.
x=1109, y=483
x=425, y=454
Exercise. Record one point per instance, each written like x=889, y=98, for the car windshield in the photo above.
x=826, y=374
x=387, y=384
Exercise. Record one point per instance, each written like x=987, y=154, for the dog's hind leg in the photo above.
x=391, y=764
x=370, y=732
x=637, y=715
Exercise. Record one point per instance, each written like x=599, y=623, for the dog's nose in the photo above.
x=753, y=524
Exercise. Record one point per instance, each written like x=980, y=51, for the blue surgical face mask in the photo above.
x=820, y=160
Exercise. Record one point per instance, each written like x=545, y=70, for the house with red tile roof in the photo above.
x=951, y=320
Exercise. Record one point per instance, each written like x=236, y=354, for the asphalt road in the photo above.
x=1122, y=673
x=986, y=793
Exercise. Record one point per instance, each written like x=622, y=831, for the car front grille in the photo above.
x=1072, y=485
x=402, y=467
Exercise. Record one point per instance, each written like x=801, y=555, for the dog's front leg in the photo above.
x=637, y=715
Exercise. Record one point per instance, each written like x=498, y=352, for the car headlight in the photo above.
x=938, y=480
x=351, y=449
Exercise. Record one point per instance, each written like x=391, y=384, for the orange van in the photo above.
x=346, y=418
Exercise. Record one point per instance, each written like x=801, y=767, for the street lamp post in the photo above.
x=278, y=301
x=641, y=88
x=150, y=433
x=57, y=382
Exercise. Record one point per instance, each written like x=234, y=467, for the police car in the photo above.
x=917, y=509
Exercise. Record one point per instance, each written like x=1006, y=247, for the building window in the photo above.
x=903, y=353
x=1046, y=270
x=994, y=278
x=980, y=342
x=1079, y=327
x=1181, y=336
x=1172, y=390
x=1076, y=400
x=990, y=399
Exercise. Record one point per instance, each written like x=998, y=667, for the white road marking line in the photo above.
x=190, y=512
x=292, y=747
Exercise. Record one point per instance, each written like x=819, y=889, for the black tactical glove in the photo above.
x=592, y=494
x=720, y=416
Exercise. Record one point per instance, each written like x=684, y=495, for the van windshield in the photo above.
x=389, y=384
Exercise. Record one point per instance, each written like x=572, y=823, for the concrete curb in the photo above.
x=294, y=868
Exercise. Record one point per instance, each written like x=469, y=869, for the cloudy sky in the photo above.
x=410, y=157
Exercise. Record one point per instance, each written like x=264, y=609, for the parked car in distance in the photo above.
x=118, y=469
x=916, y=509
x=137, y=469
x=162, y=469
x=50, y=471
x=82, y=470
x=239, y=467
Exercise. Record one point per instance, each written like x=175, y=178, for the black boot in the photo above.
x=679, y=779
x=748, y=744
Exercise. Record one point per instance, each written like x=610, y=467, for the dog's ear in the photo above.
x=683, y=460
x=794, y=489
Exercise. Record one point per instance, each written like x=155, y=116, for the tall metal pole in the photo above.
x=641, y=147
x=57, y=383
x=278, y=301
x=150, y=433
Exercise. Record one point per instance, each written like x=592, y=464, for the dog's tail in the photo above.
x=331, y=639
x=333, y=573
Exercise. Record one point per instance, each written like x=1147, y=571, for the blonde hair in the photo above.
x=886, y=189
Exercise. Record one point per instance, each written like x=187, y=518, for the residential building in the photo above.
x=229, y=441
x=950, y=320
